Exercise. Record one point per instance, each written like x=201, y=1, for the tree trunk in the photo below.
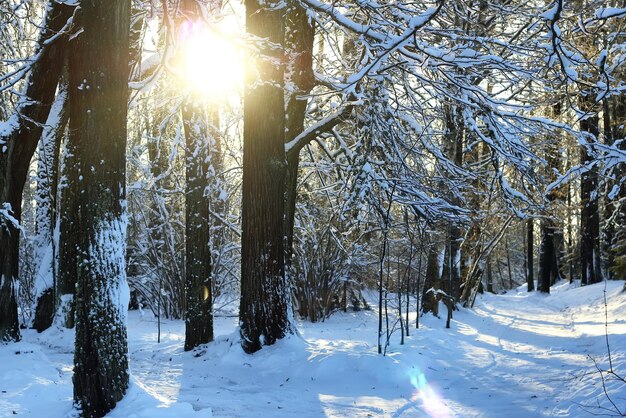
x=570, y=251
x=430, y=301
x=547, y=255
x=453, y=149
x=69, y=234
x=550, y=251
x=15, y=157
x=617, y=213
x=47, y=188
x=198, y=170
x=299, y=37
x=98, y=113
x=530, y=262
x=264, y=312
x=589, y=213
x=489, y=275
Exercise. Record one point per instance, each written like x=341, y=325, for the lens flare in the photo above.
x=432, y=403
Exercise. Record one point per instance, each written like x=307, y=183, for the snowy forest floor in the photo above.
x=513, y=355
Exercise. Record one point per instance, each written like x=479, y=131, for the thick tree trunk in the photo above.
x=550, y=251
x=69, y=234
x=471, y=246
x=299, y=37
x=616, y=240
x=47, y=187
x=453, y=148
x=20, y=145
x=198, y=171
x=264, y=313
x=98, y=111
x=589, y=213
x=47, y=170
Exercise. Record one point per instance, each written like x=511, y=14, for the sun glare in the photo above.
x=432, y=403
x=209, y=62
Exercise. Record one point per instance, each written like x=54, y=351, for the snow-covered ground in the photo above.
x=513, y=355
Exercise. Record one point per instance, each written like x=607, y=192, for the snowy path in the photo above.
x=514, y=355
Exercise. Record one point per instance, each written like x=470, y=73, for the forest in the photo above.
x=378, y=207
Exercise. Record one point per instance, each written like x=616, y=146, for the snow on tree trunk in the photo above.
x=47, y=185
x=98, y=90
x=69, y=233
x=264, y=312
x=17, y=148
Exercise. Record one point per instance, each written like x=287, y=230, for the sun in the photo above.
x=209, y=62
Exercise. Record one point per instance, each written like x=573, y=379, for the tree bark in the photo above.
x=18, y=147
x=430, y=301
x=616, y=239
x=69, y=234
x=489, y=276
x=299, y=37
x=47, y=188
x=453, y=150
x=530, y=262
x=547, y=255
x=589, y=213
x=198, y=171
x=98, y=112
x=551, y=236
x=264, y=312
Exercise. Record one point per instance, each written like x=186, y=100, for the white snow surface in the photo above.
x=514, y=355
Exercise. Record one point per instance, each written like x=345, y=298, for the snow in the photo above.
x=609, y=12
x=516, y=355
x=44, y=277
x=551, y=14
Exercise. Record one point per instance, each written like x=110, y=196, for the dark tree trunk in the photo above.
x=607, y=227
x=451, y=269
x=489, y=276
x=198, y=170
x=530, y=262
x=472, y=244
x=453, y=148
x=44, y=310
x=547, y=256
x=550, y=251
x=264, y=312
x=452, y=264
x=98, y=111
x=201, y=180
x=616, y=224
x=430, y=301
x=570, y=251
x=589, y=213
x=299, y=37
x=21, y=143
x=69, y=234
